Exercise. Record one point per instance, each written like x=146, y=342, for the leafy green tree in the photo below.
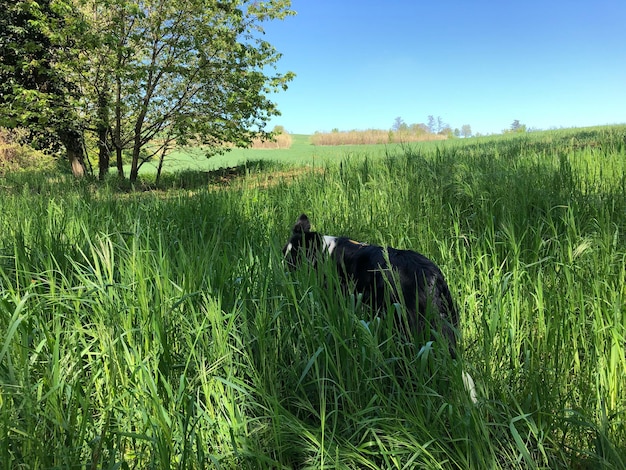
x=153, y=74
x=37, y=48
x=187, y=71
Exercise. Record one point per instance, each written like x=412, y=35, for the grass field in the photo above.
x=159, y=329
x=302, y=152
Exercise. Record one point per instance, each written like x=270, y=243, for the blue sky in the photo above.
x=362, y=63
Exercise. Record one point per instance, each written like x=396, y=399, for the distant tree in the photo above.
x=432, y=124
x=418, y=129
x=516, y=126
x=446, y=130
x=466, y=130
x=398, y=124
x=440, y=125
x=457, y=132
x=437, y=126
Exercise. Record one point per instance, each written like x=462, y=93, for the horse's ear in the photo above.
x=302, y=224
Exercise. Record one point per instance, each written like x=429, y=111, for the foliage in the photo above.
x=516, y=127
x=466, y=130
x=146, y=75
x=14, y=156
x=278, y=139
x=160, y=330
x=38, y=51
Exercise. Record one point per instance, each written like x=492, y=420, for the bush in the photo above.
x=14, y=155
x=281, y=140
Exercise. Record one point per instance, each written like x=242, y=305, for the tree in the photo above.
x=398, y=125
x=437, y=126
x=432, y=124
x=516, y=126
x=156, y=74
x=418, y=129
x=466, y=130
x=447, y=131
x=441, y=125
x=36, y=49
x=196, y=72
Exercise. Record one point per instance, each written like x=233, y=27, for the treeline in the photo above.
x=434, y=125
x=434, y=129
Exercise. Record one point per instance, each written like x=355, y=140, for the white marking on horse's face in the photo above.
x=330, y=243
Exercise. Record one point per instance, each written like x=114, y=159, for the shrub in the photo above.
x=281, y=140
x=14, y=155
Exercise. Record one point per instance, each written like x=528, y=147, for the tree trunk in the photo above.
x=137, y=144
x=120, y=163
x=73, y=143
x=103, y=127
x=162, y=159
x=117, y=133
x=134, y=167
x=103, y=154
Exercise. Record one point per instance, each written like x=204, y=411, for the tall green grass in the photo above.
x=161, y=330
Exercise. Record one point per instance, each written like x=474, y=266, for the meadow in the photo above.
x=160, y=329
x=303, y=152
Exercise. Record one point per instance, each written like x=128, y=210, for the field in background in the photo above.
x=301, y=152
x=373, y=137
x=161, y=330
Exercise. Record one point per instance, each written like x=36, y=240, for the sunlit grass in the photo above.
x=144, y=330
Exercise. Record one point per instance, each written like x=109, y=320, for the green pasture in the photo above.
x=160, y=329
x=302, y=152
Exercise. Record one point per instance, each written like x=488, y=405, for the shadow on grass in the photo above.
x=49, y=182
x=198, y=179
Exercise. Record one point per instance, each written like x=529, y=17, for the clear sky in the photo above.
x=362, y=63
